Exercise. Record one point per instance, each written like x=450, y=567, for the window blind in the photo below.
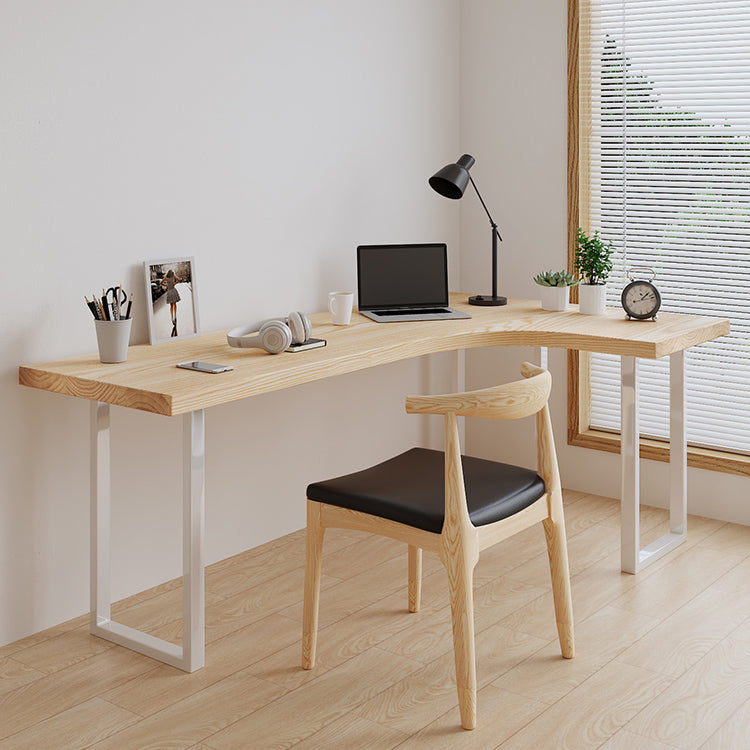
x=665, y=163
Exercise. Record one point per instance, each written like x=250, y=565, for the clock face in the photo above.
x=641, y=299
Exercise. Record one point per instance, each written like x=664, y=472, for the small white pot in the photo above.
x=554, y=297
x=592, y=299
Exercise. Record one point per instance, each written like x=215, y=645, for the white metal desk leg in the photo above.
x=677, y=447
x=677, y=533
x=630, y=479
x=543, y=357
x=460, y=373
x=634, y=558
x=100, y=514
x=193, y=524
x=542, y=360
x=190, y=657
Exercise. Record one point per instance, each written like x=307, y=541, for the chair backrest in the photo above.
x=515, y=400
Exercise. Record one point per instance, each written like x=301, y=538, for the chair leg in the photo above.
x=415, y=578
x=313, y=552
x=460, y=583
x=557, y=550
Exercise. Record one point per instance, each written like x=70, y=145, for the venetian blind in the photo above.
x=665, y=163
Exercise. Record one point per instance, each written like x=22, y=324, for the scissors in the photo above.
x=115, y=291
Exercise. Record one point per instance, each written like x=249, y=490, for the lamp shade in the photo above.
x=452, y=179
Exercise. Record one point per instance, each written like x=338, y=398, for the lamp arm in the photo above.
x=486, y=210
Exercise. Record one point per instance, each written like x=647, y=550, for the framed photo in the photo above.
x=172, y=299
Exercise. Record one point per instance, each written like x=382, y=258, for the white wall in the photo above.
x=266, y=140
x=513, y=120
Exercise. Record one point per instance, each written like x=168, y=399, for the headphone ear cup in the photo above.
x=275, y=336
x=307, y=325
x=299, y=325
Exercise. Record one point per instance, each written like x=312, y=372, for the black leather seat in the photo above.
x=410, y=489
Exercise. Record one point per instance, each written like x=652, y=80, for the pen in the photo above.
x=130, y=304
x=105, y=306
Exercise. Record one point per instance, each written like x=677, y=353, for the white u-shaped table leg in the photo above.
x=633, y=558
x=190, y=656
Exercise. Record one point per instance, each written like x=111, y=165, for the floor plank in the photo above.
x=165, y=685
x=592, y=712
x=62, y=651
x=338, y=736
x=79, y=726
x=39, y=700
x=733, y=733
x=500, y=714
x=427, y=693
x=14, y=674
x=306, y=710
x=197, y=717
x=700, y=701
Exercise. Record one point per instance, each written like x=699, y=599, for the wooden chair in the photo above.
x=455, y=506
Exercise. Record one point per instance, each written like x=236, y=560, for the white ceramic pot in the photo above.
x=113, y=337
x=592, y=299
x=554, y=297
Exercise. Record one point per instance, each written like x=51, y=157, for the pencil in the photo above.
x=92, y=307
x=130, y=304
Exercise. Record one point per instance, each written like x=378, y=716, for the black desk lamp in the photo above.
x=451, y=181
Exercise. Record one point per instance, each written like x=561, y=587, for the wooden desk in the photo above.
x=149, y=381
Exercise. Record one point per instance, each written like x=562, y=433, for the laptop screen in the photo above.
x=402, y=276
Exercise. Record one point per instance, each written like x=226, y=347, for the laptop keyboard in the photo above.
x=414, y=311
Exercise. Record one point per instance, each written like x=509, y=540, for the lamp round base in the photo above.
x=487, y=301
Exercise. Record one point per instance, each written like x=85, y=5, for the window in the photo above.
x=663, y=136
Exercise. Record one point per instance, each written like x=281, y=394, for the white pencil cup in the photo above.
x=113, y=337
x=340, y=306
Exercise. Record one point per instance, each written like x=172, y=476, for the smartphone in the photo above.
x=204, y=367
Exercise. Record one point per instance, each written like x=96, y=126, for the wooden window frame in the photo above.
x=580, y=432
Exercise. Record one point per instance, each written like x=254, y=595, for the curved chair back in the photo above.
x=515, y=400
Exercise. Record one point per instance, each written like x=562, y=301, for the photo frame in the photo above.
x=171, y=299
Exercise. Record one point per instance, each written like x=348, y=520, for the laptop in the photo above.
x=404, y=282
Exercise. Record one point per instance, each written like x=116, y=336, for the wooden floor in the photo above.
x=663, y=658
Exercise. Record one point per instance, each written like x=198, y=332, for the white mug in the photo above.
x=340, y=306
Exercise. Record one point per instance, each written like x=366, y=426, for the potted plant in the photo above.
x=554, y=289
x=593, y=262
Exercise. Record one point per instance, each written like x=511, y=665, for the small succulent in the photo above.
x=555, y=278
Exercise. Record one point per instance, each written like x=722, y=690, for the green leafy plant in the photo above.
x=555, y=278
x=593, y=257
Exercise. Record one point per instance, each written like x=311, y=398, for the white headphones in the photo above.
x=275, y=335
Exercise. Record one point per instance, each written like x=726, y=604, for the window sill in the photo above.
x=658, y=450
